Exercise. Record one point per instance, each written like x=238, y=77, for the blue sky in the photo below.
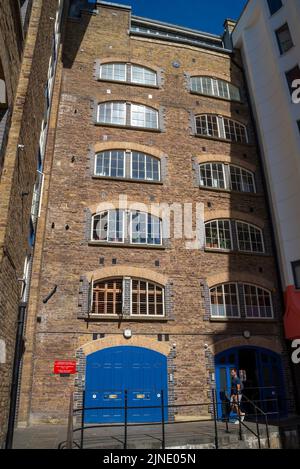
x=204, y=15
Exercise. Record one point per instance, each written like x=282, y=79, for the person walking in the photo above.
x=236, y=395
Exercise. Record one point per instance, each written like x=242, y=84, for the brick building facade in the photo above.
x=90, y=280
x=27, y=66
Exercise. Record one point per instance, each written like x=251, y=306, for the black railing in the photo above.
x=257, y=417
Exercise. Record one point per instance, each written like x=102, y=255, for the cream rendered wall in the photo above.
x=276, y=116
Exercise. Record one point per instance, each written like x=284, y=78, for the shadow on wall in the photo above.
x=78, y=18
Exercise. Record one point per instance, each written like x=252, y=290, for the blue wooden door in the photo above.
x=140, y=371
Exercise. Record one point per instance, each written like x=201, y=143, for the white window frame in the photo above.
x=133, y=212
x=155, y=111
x=215, y=87
x=218, y=234
x=129, y=74
x=109, y=176
x=242, y=181
x=214, y=316
x=147, y=315
x=249, y=225
x=145, y=159
x=211, y=163
x=113, y=64
x=267, y=318
x=221, y=128
x=108, y=227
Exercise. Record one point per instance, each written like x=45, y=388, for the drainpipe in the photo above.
x=19, y=348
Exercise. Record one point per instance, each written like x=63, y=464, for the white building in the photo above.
x=268, y=35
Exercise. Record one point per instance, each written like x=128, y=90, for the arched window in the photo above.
x=229, y=299
x=130, y=73
x=250, y=237
x=108, y=297
x=119, y=226
x=218, y=235
x=215, y=87
x=128, y=114
x=224, y=301
x=214, y=126
x=127, y=164
x=226, y=176
x=258, y=302
x=142, y=298
x=147, y=298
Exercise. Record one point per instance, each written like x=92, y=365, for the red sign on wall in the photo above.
x=65, y=367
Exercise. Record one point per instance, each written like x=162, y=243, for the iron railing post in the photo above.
x=267, y=430
x=125, y=418
x=70, y=423
x=257, y=428
x=239, y=417
x=215, y=418
x=163, y=419
x=82, y=420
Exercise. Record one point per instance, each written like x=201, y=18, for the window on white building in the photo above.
x=284, y=38
x=296, y=272
x=274, y=5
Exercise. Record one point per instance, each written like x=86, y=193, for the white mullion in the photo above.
x=224, y=300
x=221, y=128
x=147, y=299
x=217, y=87
x=224, y=176
x=218, y=234
x=145, y=167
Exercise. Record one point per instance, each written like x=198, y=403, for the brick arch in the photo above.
x=127, y=271
x=139, y=100
x=262, y=342
x=102, y=146
x=234, y=215
x=212, y=74
x=241, y=277
x=226, y=114
x=135, y=341
x=130, y=205
x=230, y=159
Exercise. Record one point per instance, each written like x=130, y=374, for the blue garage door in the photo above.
x=140, y=371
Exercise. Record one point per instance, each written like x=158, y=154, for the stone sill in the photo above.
x=126, y=245
x=206, y=137
x=120, y=82
x=140, y=181
x=234, y=101
x=128, y=127
x=127, y=319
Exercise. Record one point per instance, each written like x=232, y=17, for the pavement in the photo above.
x=178, y=435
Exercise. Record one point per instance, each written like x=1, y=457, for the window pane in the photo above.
x=224, y=301
x=274, y=5
x=143, y=75
x=112, y=113
x=258, y=302
x=139, y=228
x=107, y=297
x=241, y=180
x=284, y=38
x=142, y=116
x=218, y=235
x=113, y=71
x=207, y=125
x=110, y=163
x=249, y=238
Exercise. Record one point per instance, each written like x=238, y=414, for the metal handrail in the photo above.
x=212, y=404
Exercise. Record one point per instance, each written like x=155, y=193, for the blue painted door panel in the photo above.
x=109, y=372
